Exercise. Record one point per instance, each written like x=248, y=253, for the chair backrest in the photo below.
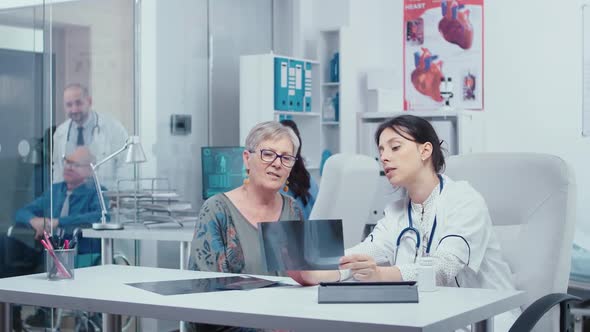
x=531, y=200
x=346, y=190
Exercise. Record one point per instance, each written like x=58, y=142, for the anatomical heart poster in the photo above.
x=443, y=54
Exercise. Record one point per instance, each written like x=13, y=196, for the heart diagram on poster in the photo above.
x=438, y=32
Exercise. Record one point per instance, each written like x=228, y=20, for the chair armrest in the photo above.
x=22, y=233
x=527, y=320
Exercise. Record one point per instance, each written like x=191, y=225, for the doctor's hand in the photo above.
x=362, y=267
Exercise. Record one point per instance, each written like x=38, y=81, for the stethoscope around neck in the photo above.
x=412, y=229
x=94, y=128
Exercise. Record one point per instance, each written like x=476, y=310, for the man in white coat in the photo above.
x=102, y=134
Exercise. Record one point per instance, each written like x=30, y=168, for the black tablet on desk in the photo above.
x=368, y=292
x=369, y=283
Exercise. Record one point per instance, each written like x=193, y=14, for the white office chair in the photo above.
x=346, y=190
x=531, y=200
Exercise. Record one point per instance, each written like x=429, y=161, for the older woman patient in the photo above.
x=226, y=235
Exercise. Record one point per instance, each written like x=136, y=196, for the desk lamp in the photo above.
x=134, y=155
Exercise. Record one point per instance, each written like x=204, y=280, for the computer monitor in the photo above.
x=222, y=168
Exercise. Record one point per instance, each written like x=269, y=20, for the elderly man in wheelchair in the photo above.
x=62, y=211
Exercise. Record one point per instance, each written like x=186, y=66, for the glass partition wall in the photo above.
x=67, y=99
x=70, y=95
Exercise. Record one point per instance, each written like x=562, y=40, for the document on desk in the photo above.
x=301, y=245
x=205, y=285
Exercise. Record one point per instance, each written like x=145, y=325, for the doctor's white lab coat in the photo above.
x=108, y=136
x=460, y=210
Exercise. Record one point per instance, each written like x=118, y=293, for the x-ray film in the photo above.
x=173, y=287
x=297, y=245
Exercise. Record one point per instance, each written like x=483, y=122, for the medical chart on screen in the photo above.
x=443, y=39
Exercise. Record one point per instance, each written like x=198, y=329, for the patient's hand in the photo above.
x=42, y=224
x=310, y=278
x=304, y=278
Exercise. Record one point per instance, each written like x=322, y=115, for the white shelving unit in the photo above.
x=328, y=45
x=257, y=103
x=337, y=135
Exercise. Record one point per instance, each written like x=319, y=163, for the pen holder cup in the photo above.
x=60, y=263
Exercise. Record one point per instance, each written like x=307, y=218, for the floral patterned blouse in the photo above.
x=216, y=244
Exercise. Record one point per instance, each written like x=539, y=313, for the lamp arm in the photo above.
x=103, y=208
x=112, y=155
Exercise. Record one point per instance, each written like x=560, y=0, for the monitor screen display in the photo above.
x=223, y=169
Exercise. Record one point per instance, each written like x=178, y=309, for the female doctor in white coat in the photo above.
x=449, y=219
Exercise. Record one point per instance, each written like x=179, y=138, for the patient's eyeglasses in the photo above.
x=270, y=156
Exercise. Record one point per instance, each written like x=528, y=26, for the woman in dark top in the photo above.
x=302, y=186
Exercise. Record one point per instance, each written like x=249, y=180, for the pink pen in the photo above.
x=48, y=242
x=66, y=244
x=60, y=268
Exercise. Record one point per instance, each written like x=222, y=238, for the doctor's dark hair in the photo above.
x=419, y=130
x=299, y=178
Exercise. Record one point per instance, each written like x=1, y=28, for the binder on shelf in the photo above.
x=281, y=79
x=291, y=86
x=296, y=85
x=308, y=81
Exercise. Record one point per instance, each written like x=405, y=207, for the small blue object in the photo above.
x=325, y=155
x=335, y=68
x=285, y=117
x=308, y=82
x=336, y=103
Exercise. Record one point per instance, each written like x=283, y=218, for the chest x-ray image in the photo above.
x=204, y=285
x=297, y=245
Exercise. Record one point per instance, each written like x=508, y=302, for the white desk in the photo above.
x=183, y=235
x=103, y=289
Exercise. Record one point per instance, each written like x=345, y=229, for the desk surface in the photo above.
x=103, y=289
x=166, y=232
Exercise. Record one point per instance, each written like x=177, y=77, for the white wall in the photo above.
x=369, y=43
x=236, y=28
x=173, y=80
x=533, y=85
x=99, y=52
x=21, y=39
x=532, y=73
x=533, y=90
